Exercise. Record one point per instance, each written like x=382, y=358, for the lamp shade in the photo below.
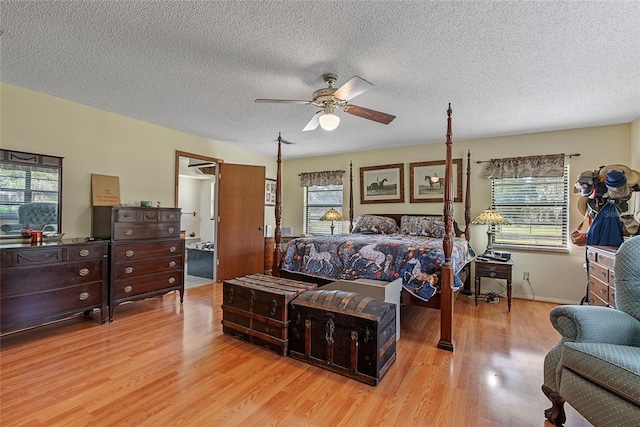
x=491, y=217
x=329, y=121
x=331, y=215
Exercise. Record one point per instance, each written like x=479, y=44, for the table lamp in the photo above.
x=490, y=217
x=331, y=215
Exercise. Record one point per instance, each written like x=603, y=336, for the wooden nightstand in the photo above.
x=495, y=270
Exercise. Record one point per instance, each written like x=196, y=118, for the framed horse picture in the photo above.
x=382, y=184
x=427, y=181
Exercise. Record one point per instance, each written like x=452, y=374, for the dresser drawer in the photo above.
x=123, y=231
x=599, y=272
x=28, y=310
x=125, y=215
x=133, y=251
x=500, y=271
x=600, y=289
x=37, y=256
x=606, y=260
x=594, y=299
x=150, y=215
x=82, y=252
x=160, y=283
x=30, y=280
x=128, y=270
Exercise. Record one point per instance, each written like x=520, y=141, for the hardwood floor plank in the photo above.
x=165, y=363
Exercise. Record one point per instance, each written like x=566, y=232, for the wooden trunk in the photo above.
x=255, y=308
x=344, y=332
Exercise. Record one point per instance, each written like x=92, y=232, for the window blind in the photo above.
x=319, y=199
x=537, y=209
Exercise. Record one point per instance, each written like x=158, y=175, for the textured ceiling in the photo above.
x=197, y=66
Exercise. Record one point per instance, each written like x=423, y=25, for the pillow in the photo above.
x=374, y=224
x=429, y=226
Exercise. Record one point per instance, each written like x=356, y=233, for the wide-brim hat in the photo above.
x=633, y=176
x=582, y=205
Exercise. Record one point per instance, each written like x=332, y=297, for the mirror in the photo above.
x=30, y=193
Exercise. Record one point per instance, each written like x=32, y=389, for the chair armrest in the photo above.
x=50, y=228
x=8, y=228
x=583, y=323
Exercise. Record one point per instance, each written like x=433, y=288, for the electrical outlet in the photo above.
x=525, y=275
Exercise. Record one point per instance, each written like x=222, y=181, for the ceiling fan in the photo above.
x=329, y=99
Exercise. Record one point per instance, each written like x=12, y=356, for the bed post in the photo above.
x=350, y=196
x=446, y=289
x=277, y=252
x=467, y=200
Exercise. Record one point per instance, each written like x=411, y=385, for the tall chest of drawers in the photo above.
x=51, y=281
x=602, y=288
x=146, y=256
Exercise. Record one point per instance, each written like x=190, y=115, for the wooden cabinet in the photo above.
x=601, y=279
x=51, y=281
x=146, y=251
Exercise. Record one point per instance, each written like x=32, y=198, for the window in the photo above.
x=537, y=209
x=25, y=179
x=318, y=200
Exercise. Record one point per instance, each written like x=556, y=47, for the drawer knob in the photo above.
x=128, y=289
x=603, y=290
x=171, y=216
x=129, y=253
x=492, y=268
x=128, y=232
x=603, y=273
x=172, y=249
x=172, y=264
x=83, y=296
x=126, y=215
x=84, y=272
x=171, y=230
x=84, y=252
x=128, y=270
x=492, y=274
x=171, y=280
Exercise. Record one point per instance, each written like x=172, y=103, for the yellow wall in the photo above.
x=94, y=141
x=555, y=277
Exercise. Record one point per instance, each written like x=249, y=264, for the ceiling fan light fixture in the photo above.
x=329, y=121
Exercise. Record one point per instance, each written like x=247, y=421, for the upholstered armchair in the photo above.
x=596, y=365
x=37, y=216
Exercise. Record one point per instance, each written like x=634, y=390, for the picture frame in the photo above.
x=382, y=184
x=427, y=181
x=270, y=192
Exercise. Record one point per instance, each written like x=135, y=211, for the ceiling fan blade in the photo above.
x=284, y=142
x=366, y=113
x=284, y=101
x=314, y=122
x=354, y=87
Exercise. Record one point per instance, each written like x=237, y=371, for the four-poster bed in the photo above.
x=410, y=257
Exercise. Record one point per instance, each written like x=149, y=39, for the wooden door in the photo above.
x=240, y=242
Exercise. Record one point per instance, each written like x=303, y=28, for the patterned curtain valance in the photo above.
x=519, y=167
x=308, y=179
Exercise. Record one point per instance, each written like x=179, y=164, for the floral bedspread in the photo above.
x=416, y=259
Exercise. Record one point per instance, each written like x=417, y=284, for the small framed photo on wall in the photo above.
x=382, y=184
x=270, y=192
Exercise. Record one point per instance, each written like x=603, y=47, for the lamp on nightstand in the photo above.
x=490, y=217
x=331, y=215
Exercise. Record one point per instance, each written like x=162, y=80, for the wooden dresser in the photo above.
x=44, y=282
x=146, y=254
x=601, y=284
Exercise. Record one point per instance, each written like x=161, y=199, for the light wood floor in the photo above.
x=161, y=363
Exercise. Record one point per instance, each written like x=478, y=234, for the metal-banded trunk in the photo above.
x=344, y=332
x=255, y=308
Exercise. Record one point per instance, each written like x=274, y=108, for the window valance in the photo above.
x=531, y=166
x=308, y=179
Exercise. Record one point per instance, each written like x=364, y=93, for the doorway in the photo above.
x=196, y=195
